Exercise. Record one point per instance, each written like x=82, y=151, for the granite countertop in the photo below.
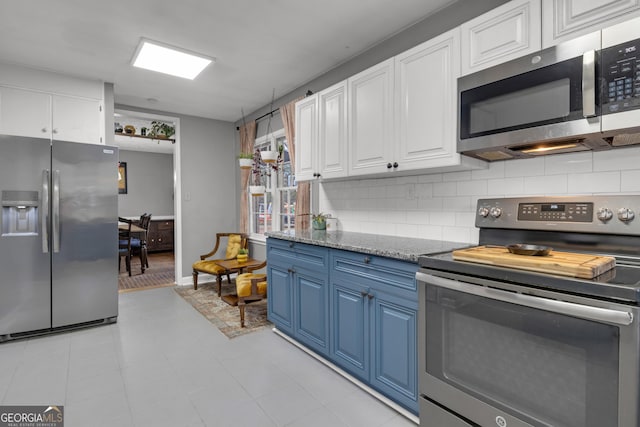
x=402, y=248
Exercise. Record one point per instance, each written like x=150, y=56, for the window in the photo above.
x=275, y=209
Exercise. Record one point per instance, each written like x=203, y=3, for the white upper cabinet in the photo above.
x=370, y=115
x=306, y=138
x=25, y=113
x=76, y=119
x=504, y=33
x=567, y=19
x=333, y=153
x=426, y=104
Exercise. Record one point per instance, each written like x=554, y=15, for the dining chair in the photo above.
x=124, y=245
x=139, y=243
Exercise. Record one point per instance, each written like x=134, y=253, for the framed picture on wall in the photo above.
x=122, y=178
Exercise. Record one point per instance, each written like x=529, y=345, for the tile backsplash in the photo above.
x=442, y=206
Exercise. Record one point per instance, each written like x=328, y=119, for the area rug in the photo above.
x=159, y=274
x=224, y=316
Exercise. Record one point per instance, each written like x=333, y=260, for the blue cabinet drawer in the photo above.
x=297, y=254
x=377, y=272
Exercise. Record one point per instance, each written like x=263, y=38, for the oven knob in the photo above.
x=495, y=212
x=604, y=214
x=625, y=214
x=483, y=212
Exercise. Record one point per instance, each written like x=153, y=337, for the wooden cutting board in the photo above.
x=563, y=263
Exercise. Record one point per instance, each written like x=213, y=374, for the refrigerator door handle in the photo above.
x=44, y=224
x=56, y=211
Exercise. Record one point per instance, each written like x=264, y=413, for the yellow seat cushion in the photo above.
x=233, y=245
x=243, y=284
x=209, y=266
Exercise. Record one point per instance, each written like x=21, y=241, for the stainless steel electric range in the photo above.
x=503, y=346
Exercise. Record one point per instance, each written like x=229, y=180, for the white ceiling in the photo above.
x=260, y=45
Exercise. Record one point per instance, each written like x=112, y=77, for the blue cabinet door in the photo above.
x=280, y=299
x=394, y=366
x=312, y=309
x=350, y=328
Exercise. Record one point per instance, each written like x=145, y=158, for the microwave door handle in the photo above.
x=589, y=84
x=597, y=314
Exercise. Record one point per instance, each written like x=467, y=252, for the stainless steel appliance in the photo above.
x=58, y=235
x=507, y=347
x=580, y=95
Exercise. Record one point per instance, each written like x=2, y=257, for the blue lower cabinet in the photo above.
x=350, y=329
x=394, y=352
x=280, y=299
x=357, y=310
x=312, y=310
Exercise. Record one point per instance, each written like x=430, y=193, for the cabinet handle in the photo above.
x=367, y=260
x=370, y=296
x=395, y=165
x=389, y=166
x=364, y=293
x=55, y=131
x=44, y=130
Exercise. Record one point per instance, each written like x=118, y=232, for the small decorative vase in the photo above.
x=242, y=257
x=319, y=225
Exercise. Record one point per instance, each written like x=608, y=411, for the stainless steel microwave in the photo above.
x=580, y=95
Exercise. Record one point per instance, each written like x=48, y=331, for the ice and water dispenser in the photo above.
x=19, y=213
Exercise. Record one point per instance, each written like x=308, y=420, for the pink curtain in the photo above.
x=247, y=137
x=288, y=114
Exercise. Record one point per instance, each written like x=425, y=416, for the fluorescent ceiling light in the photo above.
x=167, y=59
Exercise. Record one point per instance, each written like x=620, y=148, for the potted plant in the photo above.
x=269, y=156
x=243, y=255
x=319, y=221
x=161, y=130
x=245, y=160
x=258, y=168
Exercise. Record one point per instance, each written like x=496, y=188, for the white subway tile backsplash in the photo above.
x=568, y=163
x=442, y=206
x=505, y=186
x=524, y=167
x=554, y=184
x=598, y=182
x=617, y=159
x=630, y=180
x=472, y=188
x=444, y=189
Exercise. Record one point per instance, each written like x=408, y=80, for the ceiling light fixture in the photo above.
x=156, y=56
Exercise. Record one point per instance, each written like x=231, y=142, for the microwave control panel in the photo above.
x=621, y=77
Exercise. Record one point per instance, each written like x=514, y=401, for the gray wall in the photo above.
x=149, y=184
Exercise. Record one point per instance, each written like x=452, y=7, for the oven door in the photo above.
x=500, y=354
x=548, y=97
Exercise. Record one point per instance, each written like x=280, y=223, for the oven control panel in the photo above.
x=557, y=212
x=611, y=214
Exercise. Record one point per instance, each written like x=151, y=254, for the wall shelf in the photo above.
x=144, y=137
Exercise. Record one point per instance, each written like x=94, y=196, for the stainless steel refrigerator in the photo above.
x=59, y=235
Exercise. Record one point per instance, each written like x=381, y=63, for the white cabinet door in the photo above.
x=370, y=101
x=504, y=33
x=77, y=119
x=567, y=19
x=332, y=132
x=25, y=113
x=426, y=104
x=306, y=138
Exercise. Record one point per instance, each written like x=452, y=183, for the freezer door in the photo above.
x=84, y=211
x=25, y=291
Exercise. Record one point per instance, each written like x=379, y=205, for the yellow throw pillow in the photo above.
x=233, y=245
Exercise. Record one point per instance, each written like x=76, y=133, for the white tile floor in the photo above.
x=163, y=364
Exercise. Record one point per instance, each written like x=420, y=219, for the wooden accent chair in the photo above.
x=235, y=241
x=250, y=287
x=124, y=246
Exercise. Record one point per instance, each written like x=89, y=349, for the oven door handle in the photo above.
x=597, y=314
